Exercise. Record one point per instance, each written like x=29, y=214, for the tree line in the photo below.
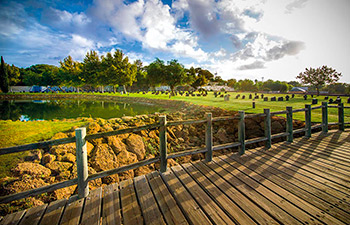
x=115, y=70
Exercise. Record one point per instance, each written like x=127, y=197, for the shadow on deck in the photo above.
x=307, y=181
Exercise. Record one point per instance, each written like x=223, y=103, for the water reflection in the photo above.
x=59, y=109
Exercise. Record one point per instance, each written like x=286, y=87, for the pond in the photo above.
x=66, y=109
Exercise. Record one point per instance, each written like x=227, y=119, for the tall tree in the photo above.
x=13, y=74
x=71, y=73
x=142, y=81
x=4, y=80
x=319, y=77
x=91, y=69
x=41, y=74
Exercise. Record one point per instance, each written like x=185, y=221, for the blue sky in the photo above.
x=255, y=39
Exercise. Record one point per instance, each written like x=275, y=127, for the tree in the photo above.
x=91, y=69
x=41, y=74
x=142, y=81
x=4, y=80
x=246, y=85
x=13, y=74
x=70, y=72
x=319, y=77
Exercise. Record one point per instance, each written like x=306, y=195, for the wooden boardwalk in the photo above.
x=304, y=182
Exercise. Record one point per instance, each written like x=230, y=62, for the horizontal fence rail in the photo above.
x=81, y=138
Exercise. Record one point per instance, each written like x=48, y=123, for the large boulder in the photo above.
x=48, y=158
x=23, y=184
x=135, y=145
x=116, y=144
x=69, y=148
x=92, y=184
x=64, y=192
x=221, y=135
x=104, y=158
x=59, y=167
x=33, y=169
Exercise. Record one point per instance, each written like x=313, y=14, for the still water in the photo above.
x=65, y=109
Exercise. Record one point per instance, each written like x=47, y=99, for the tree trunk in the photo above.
x=318, y=91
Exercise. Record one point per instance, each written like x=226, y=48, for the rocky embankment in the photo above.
x=58, y=163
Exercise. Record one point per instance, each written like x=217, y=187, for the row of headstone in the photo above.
x=280, y=99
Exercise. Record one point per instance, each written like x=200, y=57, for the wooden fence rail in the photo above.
x=81, y=138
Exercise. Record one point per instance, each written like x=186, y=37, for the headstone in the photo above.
x=198, y=95
x=312, y=96
x=305, y=97
x=273, y=99
x=221, y=96
x=253, y=105
x=262, y=96
x=326, y=98
x=243, y=96
x=227, y=97
x=266, y=99
x=330, y=101
x=287, y=97
x=237, y=96
x=314, y=101
x=349, y=100
x=250, y=96
x=338, y=100
x=256, y=97
x=293, y=95
x=280, y=99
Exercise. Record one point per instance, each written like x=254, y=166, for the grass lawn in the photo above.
x=19, y=133
x=234, y=104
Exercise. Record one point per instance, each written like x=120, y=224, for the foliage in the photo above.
x=91, y=69
x=4, y=80
x=70, y=72
x=41, y=74
x=246, y=85
x=142, y=81
x=14, y=74
x=319, y=77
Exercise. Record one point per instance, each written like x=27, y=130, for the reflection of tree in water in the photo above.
x=60, y=109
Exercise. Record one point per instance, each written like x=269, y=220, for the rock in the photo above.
x=69, y=148
x=59, y=167
x=34, y=156
x=69, y=157
x=93, y=128
x=127, y=118
x=103, y=158
x=107, y=127
x=59, y=135
x=64, y=192
x=92, y=184
x=116, y=144
x=25, y=183
x=33, y=169
x=222, y=135
x=135, y=145
x=65, y=175
x=48, y=158
x=276, y=127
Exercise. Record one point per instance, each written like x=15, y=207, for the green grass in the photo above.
x=19, y=133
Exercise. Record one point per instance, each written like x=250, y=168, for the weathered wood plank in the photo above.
x=92, y=208
x=184, y=122
x=259, y=199
x=249, y=207
x=130, y=208
x=234, y=212
x=13, y=218
x=33, y=215
x=307, y=207
x=111, y=214
x=72, y=212
x=149, y=207
x=167, y=204
x=163, y=144
x=192, y=210
x=241, y=133
x=216, y=214
x=300, y=189
x=82, y=167
x=53, y=212
x=209, y=138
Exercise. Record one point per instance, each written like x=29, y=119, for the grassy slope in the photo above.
x=18, y=133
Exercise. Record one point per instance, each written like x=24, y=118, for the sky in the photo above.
x=254, y=39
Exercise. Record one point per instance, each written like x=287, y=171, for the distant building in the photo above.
x=298, y=90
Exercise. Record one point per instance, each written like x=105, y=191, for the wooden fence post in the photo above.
x=241, y=133
x=82, y=167
x=307, y=121
x=324, y=117
x=341, y=116
x=267, y=128
x=163, y=144
x=289, y=123
x=209, y=139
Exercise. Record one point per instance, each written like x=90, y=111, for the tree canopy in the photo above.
x=4, y=80
x=319, y=77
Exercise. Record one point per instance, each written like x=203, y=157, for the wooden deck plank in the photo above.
x=92, y=208
x=150, y=211
x=233, y=210
x=54, y=212
x=167, y=204
x=249, y=207
x=72, y=212
x=333, y=181
x=301, y=190
x=111, y=205
x=13, y=218
x=308, y=208
x=33, y=215
x=317, y=189
x=216, y=214
x=130, y=209
x=262, y=201
x=312, y=159
x=308, y=178
x=193, y=211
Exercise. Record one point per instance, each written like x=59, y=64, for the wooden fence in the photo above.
x=81, y=151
